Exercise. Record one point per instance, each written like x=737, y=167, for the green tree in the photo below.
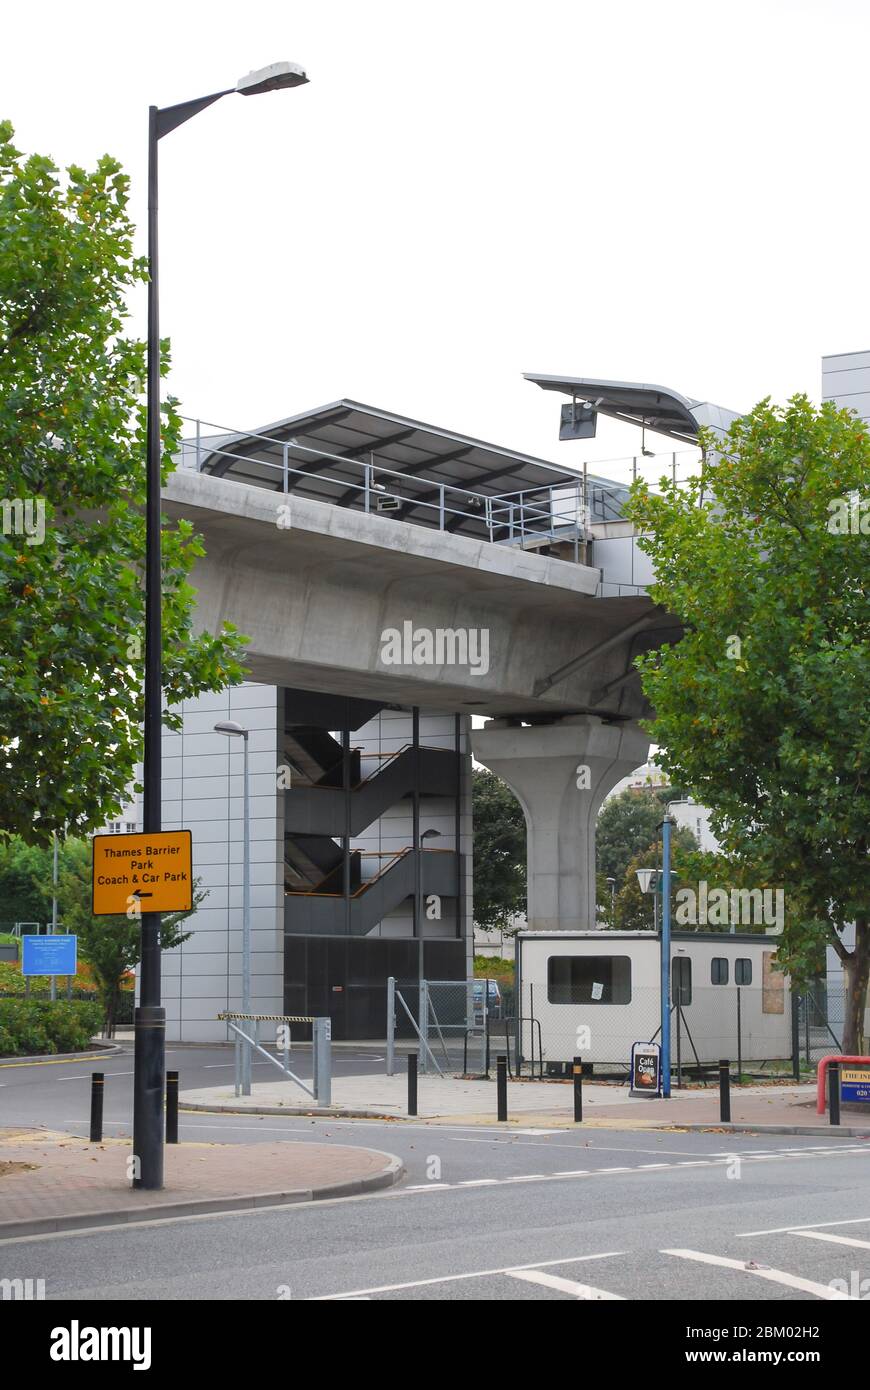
x=72, y=445
x=112, y=945
x=628, y=823
x=634, y=910
x=762, y=707
x=25, y=881
x=499, y=853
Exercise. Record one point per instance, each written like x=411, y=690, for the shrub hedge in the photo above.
x=29, y=1027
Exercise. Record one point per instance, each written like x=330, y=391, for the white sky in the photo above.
x=670, y=192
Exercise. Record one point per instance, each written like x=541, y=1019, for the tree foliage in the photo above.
x=762, y=707
x=628, y=823
x=499, y=853
x=72, y=452
x=25, y=882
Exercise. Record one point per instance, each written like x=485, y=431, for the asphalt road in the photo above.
x=57, y=1093
x=486, y=1214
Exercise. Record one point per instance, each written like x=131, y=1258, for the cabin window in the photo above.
x=743, y=971
x=589, y=980
x=719, y=970
x=681, y=980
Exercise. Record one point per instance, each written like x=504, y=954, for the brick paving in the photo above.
x=63, y=1178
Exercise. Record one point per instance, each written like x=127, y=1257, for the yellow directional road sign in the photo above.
x=154, y=870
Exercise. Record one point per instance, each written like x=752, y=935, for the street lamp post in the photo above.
x=655, y=882
x=234, y=730
x=666, y=956
x=423, y=1008
x=150, y=1019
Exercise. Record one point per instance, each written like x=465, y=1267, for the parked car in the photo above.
x=494, y=1001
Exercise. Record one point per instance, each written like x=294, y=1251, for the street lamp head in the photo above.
x=230, y=727
x=431, y=835
x=648, y=880
x=271, y=79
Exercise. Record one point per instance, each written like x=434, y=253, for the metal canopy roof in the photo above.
x=328, y=448
x=654, y=407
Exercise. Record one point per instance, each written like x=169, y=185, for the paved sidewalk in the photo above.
x=52, y=1182
x=454, y=1100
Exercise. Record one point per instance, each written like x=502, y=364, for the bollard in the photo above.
x=97, y=1085
x=578, y=1090
x=834, y=1092
x=725, y=1091
x=412, y=1083
x=501, y=1086
x=172, y=1107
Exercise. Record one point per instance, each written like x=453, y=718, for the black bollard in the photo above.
x=725, y=1091
x=501, y=1086
x=577, y=1070
x=172, y=1107
x=97, y=1085
x=834, y=1092
x=412, y=1083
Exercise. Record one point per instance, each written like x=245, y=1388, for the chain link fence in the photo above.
x=459, y=1016
x=821, y=1016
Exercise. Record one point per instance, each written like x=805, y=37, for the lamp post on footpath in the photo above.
x=234, y=730
x=149, y=1046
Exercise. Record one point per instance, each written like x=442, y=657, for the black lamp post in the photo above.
x=150, y=1017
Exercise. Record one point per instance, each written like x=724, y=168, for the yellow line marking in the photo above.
x=60, y=1061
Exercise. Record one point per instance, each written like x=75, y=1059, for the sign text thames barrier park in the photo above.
x=153, y=870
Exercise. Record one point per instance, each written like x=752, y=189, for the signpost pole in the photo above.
x=54, y=909
x=666, y=957
x=152, y=870
x=149, y=1046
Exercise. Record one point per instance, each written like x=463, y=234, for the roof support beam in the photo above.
x=223, y=464
x=572, y=667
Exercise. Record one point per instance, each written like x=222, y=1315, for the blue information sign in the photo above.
x=855, y=1082
x=48, y=955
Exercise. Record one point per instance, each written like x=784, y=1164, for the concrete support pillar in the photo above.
x=561, y=773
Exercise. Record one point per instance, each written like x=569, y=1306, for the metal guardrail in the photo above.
x=533, y=516
x=321, y=1088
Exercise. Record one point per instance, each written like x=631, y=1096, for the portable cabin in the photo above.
x=592, y=994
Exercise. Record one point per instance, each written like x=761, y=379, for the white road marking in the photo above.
x=553, y=1281
x=574, y=1173
x=478, y=1182
x=835, y=1240
x=774, y=1276
x=454, y=1278
x=810, y=1225
x=84, y=1077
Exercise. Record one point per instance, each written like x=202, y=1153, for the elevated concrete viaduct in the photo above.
x=379, y=564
